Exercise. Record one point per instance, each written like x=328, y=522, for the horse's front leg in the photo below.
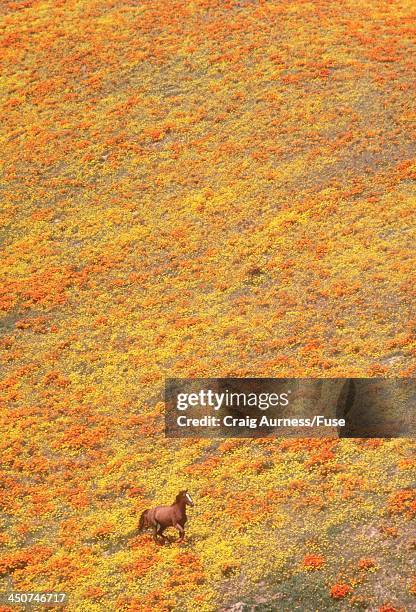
x=181, y=532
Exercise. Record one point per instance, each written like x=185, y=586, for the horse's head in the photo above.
x=185, y=496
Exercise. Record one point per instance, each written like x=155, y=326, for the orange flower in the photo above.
x=313, y=561
x=94, y=592
x=341, y=590
x=366, y=563
x=403, y=502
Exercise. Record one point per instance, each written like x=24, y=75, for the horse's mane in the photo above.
x=178, y=497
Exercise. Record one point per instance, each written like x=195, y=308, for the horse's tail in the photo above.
x=142, y=521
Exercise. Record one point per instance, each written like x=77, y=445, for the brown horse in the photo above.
x=162, y=517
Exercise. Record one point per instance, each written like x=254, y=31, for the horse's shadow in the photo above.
x=120, y=543
x=124, y=541
x=168, y=539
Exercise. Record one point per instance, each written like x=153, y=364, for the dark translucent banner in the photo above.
x=290, y=407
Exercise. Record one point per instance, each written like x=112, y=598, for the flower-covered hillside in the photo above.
x=204, y=188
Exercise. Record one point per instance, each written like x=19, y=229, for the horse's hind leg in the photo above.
x=159, y=532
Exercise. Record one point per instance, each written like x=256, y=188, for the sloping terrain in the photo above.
x=203, y=188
